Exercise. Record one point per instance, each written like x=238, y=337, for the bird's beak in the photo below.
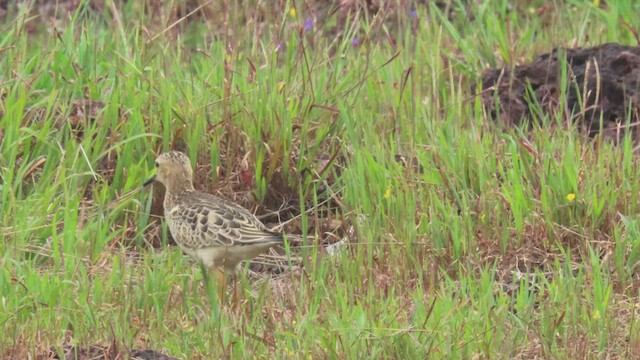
x=148, y=182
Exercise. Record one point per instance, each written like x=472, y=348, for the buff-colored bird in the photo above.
x=214, y=231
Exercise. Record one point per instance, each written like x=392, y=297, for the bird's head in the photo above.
x=173, y=170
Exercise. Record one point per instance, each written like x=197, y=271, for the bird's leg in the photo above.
x=221, y=282
x=206, y=281
x=236, y=297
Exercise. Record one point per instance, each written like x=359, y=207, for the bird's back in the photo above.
x=214, y=229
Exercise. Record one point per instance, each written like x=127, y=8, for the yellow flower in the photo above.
x=596, y=315
x=387, y=194
x=571, y=197
x=292, y=12
x=281, y=85
x=596, y=2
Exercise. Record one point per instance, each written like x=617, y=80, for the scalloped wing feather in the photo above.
x=203, y=220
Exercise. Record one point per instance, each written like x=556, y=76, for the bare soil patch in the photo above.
x=601, y=85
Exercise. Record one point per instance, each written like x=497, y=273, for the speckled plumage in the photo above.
x=213, y=230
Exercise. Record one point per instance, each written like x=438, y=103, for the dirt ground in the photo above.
x=600, y=82
x=110, y=352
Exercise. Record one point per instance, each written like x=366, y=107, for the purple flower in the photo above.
x=414, y=13
x=279, y=47
x=308, y=24
x=355, y=41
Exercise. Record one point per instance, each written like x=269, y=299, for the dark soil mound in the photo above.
x=600, y=81
x=108, y=352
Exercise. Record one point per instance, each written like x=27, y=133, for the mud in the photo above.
x=599, y=82
x=108, y=352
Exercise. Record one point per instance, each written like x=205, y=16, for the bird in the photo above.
x=218, y=233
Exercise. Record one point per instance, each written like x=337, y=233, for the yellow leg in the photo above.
x=221, y=283
x=236, y=299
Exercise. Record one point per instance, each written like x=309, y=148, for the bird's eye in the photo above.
x=157, y=165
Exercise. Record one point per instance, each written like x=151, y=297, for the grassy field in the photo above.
x=465, y=239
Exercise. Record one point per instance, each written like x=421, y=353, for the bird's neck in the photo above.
x=178, y=189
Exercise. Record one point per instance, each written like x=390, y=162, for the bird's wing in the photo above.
x=218, y=222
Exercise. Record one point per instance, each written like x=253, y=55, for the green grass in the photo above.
x=489, y=242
